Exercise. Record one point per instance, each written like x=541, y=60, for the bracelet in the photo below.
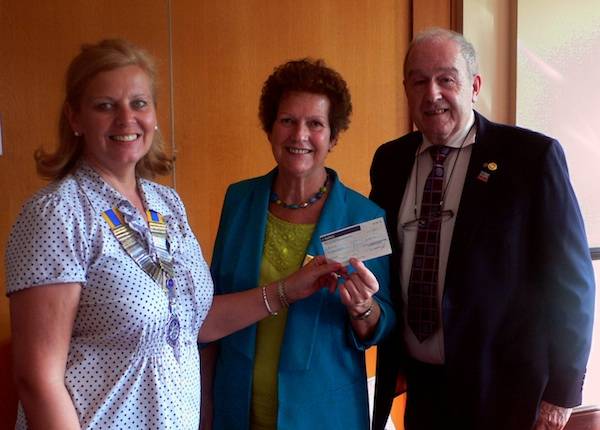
x=283, y=298
x=266, y=300
x=364, y=315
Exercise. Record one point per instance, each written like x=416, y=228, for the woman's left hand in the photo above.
x=357, y=290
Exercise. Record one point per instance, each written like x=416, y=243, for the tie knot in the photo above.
x=439, y=153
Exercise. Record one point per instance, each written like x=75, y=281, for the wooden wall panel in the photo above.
x=37, y=40
x=432, y=13
x=223, y=51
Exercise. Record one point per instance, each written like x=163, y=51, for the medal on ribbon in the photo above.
x=173, y=326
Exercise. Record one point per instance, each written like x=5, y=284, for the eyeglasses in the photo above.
x=440, y=217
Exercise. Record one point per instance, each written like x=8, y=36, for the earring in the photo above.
x=77, y=134
x=156, y=127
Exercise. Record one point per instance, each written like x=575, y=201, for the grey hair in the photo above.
x=466, y=48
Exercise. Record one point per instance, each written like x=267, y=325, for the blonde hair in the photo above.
x=108, y=54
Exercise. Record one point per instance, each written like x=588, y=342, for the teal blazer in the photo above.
x=322, y=378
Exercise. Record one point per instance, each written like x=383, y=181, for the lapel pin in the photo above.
x=484, y=175
x=491, y=166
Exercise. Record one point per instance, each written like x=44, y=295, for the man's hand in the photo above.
x=552, y=417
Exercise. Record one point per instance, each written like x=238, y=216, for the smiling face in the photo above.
x=301, y=136
x=440, y=89
x=116, y=118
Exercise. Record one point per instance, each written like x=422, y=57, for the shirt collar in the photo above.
x=463, y=138
x=103, y=196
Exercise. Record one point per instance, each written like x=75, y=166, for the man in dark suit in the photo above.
x=492, y=270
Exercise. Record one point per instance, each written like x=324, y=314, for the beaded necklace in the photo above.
x=274, y=198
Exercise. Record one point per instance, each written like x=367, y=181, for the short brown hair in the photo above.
x=108, y=54
x=311, y=76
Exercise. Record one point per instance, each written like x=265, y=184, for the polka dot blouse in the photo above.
x=121, y=372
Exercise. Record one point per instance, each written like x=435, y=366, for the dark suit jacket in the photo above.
x=518, y=299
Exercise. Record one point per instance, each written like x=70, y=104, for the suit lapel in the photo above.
x=303, y=319
x=397, y=168
x=400, y=167
x=473, y=201
x=250, y=251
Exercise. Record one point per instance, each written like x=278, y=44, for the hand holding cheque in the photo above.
x=362, y=241
x=350, y=245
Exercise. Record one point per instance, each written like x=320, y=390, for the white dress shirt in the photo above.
x=431, y=350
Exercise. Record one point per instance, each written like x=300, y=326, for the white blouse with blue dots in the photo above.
x=121, y=372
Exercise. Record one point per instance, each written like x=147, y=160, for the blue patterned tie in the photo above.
x=423, y=314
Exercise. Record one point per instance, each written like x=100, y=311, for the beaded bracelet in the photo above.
x=364, y=315
x=266, y=300
x=283, y=298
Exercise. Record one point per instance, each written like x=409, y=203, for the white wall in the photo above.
x=540, y=66
x=558, y=88
x=558, y=93
x=489, y=26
